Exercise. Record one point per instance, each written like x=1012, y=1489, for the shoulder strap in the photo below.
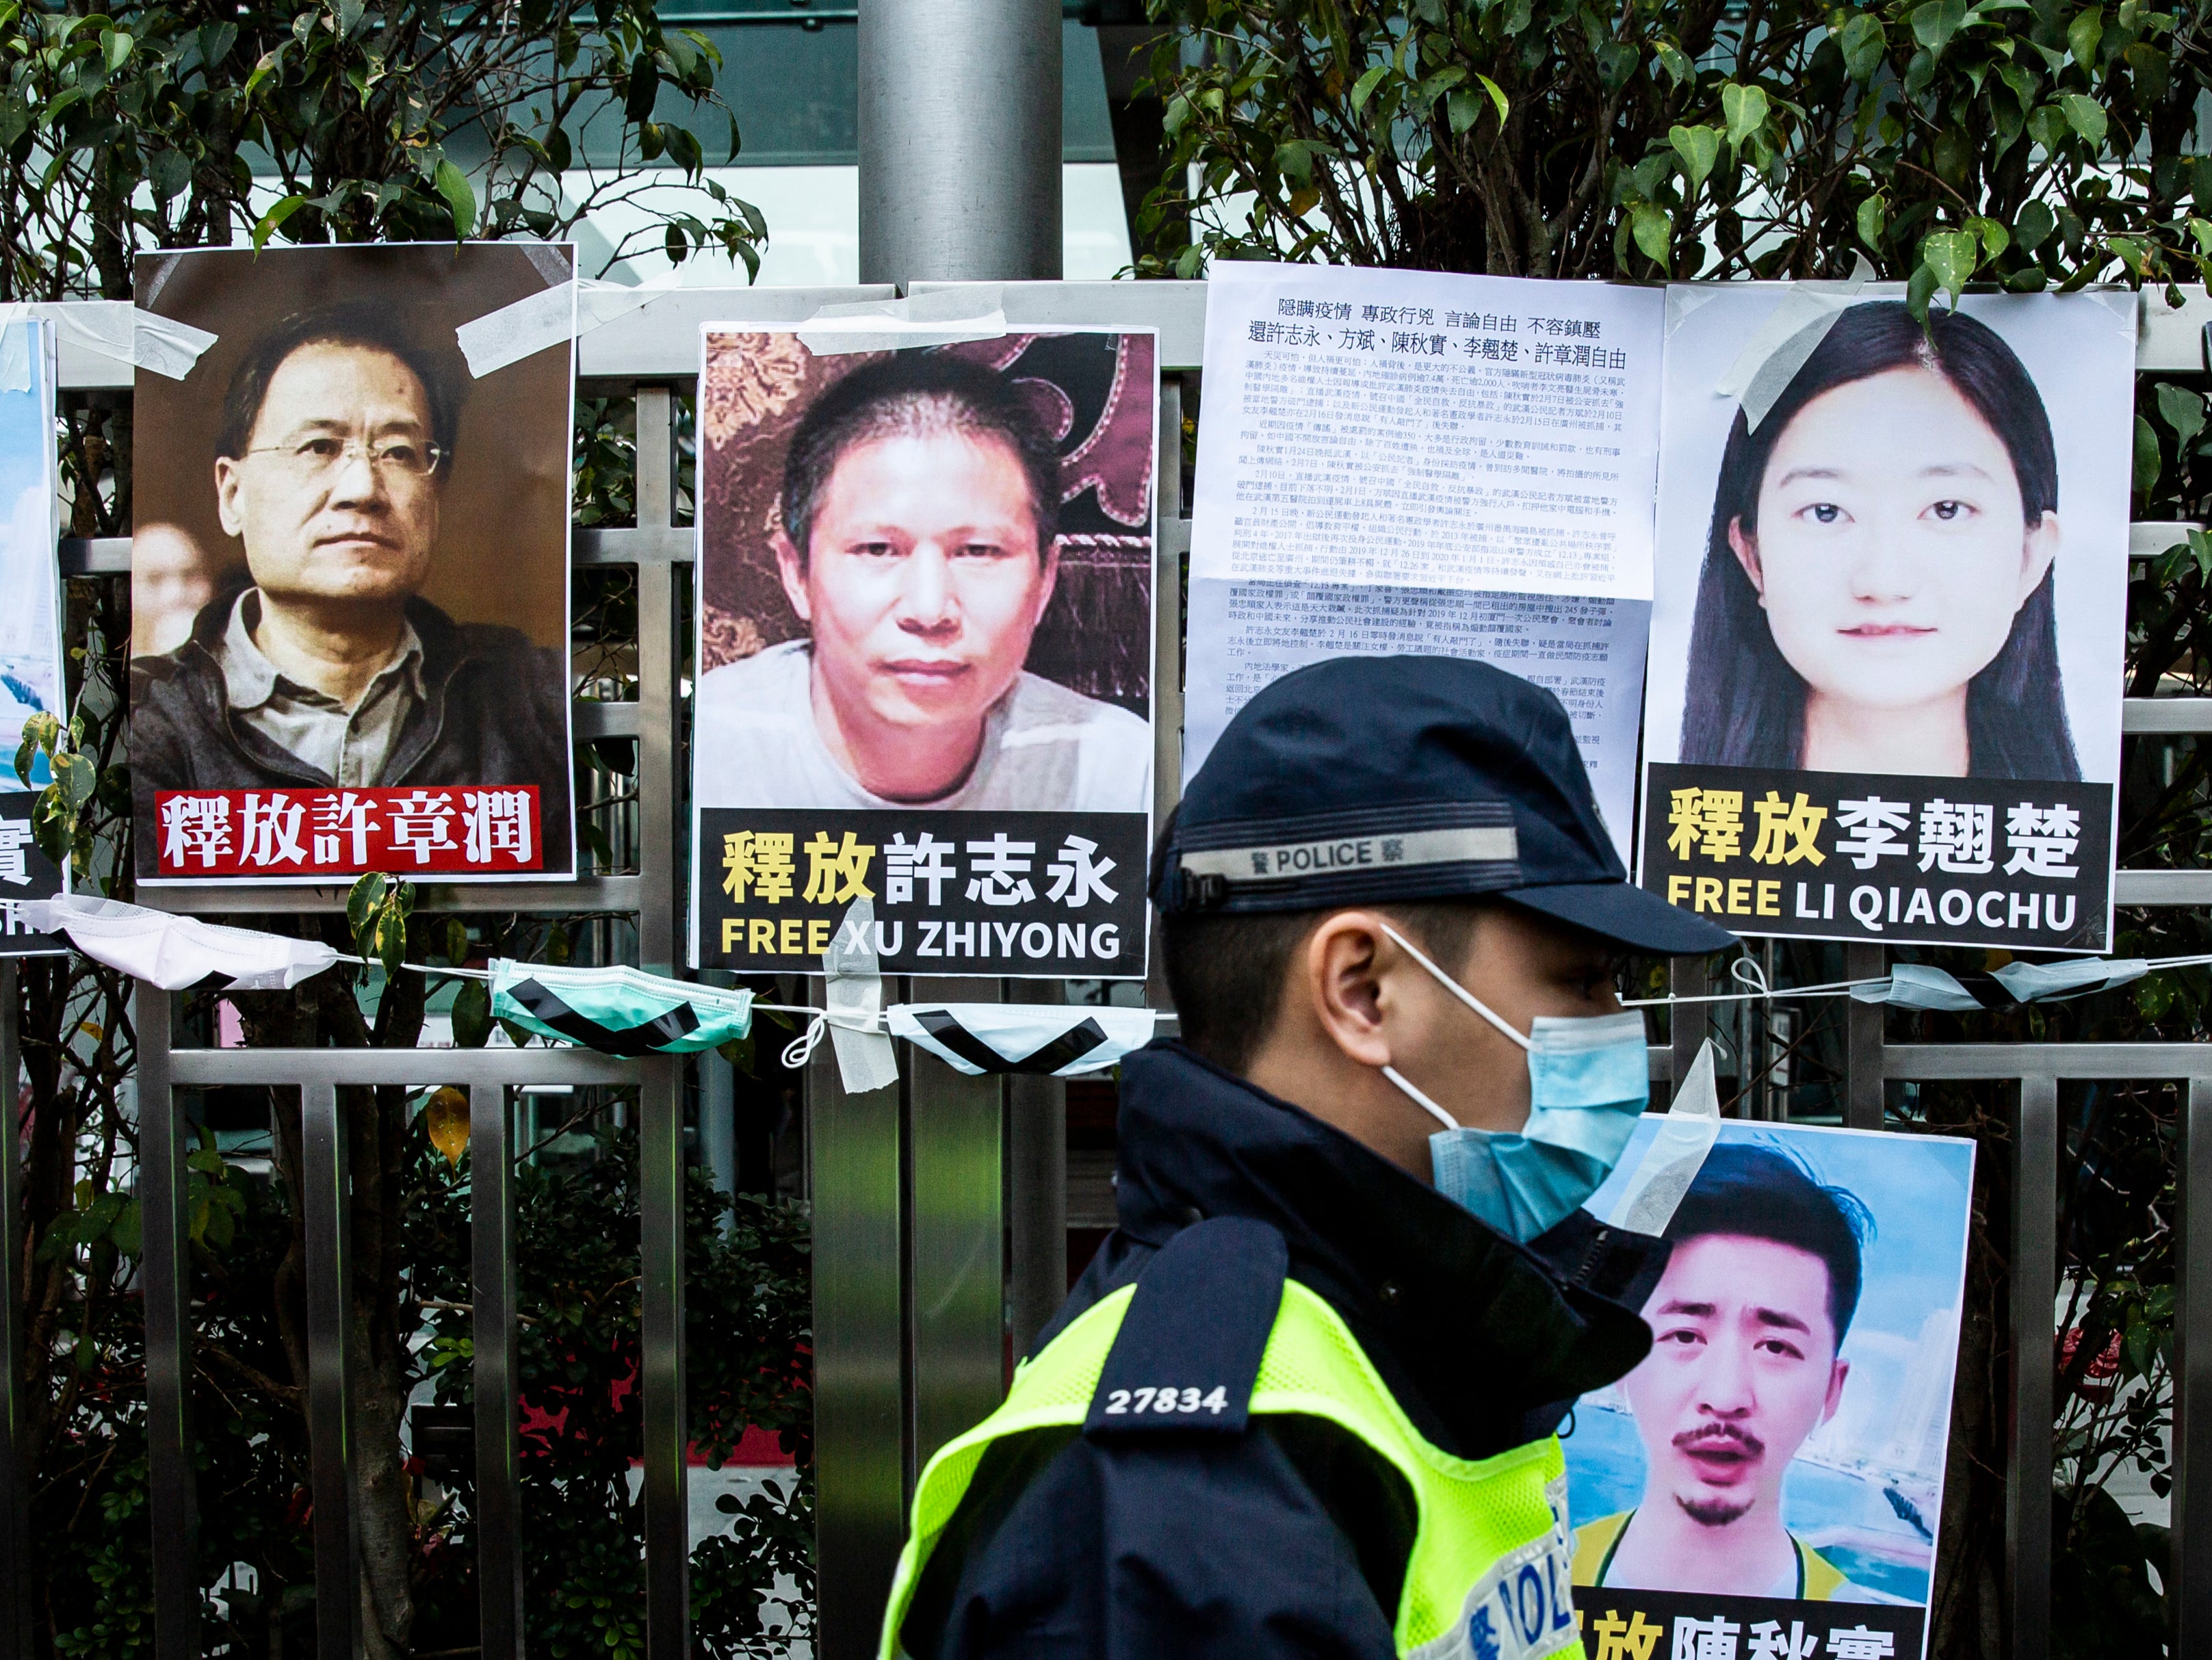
x=1188, y=1351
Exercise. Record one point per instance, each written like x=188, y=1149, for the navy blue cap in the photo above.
x=1366, y=780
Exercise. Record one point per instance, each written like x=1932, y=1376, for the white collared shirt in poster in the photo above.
x=1405, y=461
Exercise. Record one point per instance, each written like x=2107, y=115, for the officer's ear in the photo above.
x=790, y=568
x=1340, y=972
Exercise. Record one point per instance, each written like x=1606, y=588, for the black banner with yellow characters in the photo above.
x=1059, y=895
x=1825, y=856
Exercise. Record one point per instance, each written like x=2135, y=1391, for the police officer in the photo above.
x=1303, y=1401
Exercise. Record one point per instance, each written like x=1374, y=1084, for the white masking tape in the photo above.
x=1793, y=331
x=942, y=319
x=1687, y=1134
x=522, y=330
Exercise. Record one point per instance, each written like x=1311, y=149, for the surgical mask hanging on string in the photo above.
x=1588, y=1080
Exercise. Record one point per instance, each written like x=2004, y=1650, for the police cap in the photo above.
x=1369, y=780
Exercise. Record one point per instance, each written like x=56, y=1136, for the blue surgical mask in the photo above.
x=1588, y=1080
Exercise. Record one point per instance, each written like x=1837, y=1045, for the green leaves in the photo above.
x=1698, y=147
x=2085, y=116
x=2148, y=461
x=1935, y=22
x=2183, y=411
x=1863, y=45
x=1950, y=257
x=1745, y=109
x=377, y=910
x=453, y=185
x=1654, y=230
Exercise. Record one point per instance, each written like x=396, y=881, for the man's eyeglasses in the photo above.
x=394, y=457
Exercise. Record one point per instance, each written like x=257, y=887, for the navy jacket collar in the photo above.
x=1486, y=1343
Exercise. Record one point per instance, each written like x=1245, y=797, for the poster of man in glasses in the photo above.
x=350, y=565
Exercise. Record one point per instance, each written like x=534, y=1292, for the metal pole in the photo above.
x=852, y=1141
x=491, y=1294
x=2188, y=1568
x=960, y=140
x=660, y=1131
x=1037, y=1172
x=1864, y=1091
x=667, y=1519
x=166, y=1272
x=1686, y=1023
x=327, y=1179
x=2035, y=1293
x=959, y=1313
x=14, y=1471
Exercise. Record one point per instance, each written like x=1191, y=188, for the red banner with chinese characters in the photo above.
x=296, y=834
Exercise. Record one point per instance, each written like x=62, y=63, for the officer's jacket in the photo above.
x=1166, y=1537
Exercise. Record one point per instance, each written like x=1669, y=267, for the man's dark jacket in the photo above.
x=495, y=712
x=1293, y=1538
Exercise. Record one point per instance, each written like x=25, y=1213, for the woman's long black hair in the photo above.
x=1745, y=704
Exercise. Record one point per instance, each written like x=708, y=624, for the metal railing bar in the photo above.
x=14, y=1471
x=2034, y=1289
x=325, y=1180
x=595, y=719
x=648, y=544
x=2187, y=1570
x=2162, y=887
x=2180, y=716
x=1928, y=1062
x=1864, y=1097
x=586, y=893
x=493, y=1328
x=486, y=1068
x=164, y=1271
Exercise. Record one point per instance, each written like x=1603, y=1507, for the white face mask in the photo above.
x=1590, y=1078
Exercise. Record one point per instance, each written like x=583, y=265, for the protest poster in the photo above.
x=31, y=680
x=1769, y=1480
x=1416, y=462
x=350, y=564
x=925, y=650
x=1886, y=665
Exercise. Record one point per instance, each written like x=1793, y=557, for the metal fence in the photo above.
x=915, y=1186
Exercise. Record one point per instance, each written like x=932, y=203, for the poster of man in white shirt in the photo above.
x=926, y=600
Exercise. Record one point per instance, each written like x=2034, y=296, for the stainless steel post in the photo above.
x=491, y=1292
x=661, y=1131
x=1863, y=1089
x=327, y=1179
x=2188, y=1568
x=1167, y=637
x=166, y=1272
x=1036, y=1187
x=956, y=1234
x=667, y=1515
x=14, y=1471
x=960, y=140
x=1686, y=1023
x=852, y=1141
x=2035, y=1293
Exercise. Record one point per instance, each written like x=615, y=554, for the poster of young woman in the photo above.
x=1884, y=693
x=31, y=681
x=350, y=564
x=1769, y=1480
x=925, y=651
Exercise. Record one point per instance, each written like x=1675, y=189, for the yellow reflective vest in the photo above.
x=1489, y=1574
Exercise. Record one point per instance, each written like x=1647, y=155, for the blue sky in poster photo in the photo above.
x=27, y=549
